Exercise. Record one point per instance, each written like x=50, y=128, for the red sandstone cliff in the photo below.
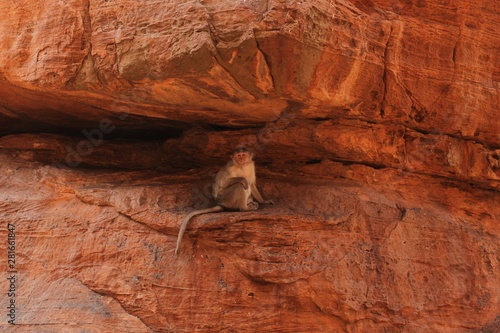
x=377, y=135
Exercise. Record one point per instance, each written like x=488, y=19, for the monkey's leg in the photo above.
x=234, y=197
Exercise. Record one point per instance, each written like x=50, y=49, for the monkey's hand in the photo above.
x=269, y=202
x=244, y=182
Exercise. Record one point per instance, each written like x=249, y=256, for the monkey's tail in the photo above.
x=188, y=217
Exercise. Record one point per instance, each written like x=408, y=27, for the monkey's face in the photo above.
x=241, y=158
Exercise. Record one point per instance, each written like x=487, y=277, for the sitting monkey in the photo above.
x=234, y=189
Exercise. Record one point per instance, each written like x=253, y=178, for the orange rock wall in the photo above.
x=427, y=65
x=376, y=133
x=345, y=249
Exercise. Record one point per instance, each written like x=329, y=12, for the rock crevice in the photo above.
x=376, y=134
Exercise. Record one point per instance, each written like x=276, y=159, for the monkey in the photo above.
x=234, y=189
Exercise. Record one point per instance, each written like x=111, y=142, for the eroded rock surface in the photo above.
x=426, y=65
x=376, y=133
x=346, y=248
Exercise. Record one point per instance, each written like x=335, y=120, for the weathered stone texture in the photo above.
x=376, y=130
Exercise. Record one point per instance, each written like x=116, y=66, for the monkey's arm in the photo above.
x=258, y=197
x=220, y=179
x=234, y=180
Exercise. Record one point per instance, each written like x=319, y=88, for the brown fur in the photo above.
x=234, y=189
